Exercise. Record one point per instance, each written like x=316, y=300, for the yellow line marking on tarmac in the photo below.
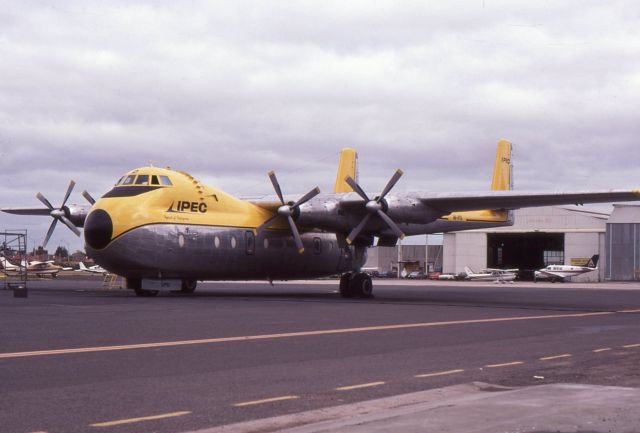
x=507, y=364
x=362, y=385
x=549, y=358
x=266, y=400
x=439, y=373
x=140, y=419
x=603, y=349
x=297, y=334
x=629, y=346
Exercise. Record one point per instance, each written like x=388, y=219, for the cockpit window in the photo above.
x=164, y=180
x=128, y=180
x=119, y=180
x=154, y=180
x=143, y=179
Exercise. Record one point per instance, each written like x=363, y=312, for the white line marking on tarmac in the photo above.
x=297, y=334
x=362, y=385
x=549, y=358
x=630, y=346
x=140, y=419
x=506, y=364
x=602, y=349
x=266, y=400
x=439, y=373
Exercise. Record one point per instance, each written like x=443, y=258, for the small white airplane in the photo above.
x=490, y=274
x=7, y=266
x=37, y=268
x=555, y=273
x=95, y=269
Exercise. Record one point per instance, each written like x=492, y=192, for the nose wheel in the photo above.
x=356, y=285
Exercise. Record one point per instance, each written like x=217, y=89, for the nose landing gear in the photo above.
x=356, y=285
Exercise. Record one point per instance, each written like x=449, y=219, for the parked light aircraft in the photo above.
x=561, y=272
x=490, y=274
x=37, y=268
x=164, y=229
x=95, y=269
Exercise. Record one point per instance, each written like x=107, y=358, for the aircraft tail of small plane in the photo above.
x=468, y=271
x=347, y=166
x=81, y=266
x=593, y=263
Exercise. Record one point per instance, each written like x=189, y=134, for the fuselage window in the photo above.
x=317, y=246
x=216, y=241
x=154, y=180
x=265, y=243
x=143, y=179
x=164, y=180
x=234, y=241
x=129, y=179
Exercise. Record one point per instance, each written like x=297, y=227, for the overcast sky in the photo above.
x=230, y=90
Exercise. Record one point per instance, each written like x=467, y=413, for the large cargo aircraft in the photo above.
x=164, y=229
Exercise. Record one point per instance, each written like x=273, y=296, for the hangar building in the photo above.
x=623, y=244
x=539, y=237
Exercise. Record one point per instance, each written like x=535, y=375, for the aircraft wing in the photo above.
x=447, y=203
x=28, y=211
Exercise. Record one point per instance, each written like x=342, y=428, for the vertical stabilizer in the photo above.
x=502, y=169
x=346, y=167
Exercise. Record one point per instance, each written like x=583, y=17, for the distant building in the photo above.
x=385, y=259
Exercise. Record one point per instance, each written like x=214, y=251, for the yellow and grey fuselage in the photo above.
x=160, y=223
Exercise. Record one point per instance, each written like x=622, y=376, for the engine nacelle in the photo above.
x=76, y=214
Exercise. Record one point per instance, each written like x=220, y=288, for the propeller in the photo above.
x=288, y=210
x=88, y=197
x=375, y=206
x=58, y=214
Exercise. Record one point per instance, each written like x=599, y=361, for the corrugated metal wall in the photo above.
x=623, y=252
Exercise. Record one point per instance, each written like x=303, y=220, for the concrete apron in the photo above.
x=472, y=408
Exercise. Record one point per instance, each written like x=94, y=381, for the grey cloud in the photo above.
x=229, y=90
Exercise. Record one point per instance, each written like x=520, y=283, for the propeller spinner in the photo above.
x=375, y=206
x=288, y=210
x=58, y=214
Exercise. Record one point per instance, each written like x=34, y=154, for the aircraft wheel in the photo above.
x=345, y=286
x=361, y=285
x=189, y=286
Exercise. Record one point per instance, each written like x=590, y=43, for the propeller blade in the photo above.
x=356, y=231
x=66, y=196
x=276, y=185
x=394, y=179
x=44, y=201
x=296, y=235
x=308, y=196
x=49, y=232
x=393, y=226
x=354, y=185
x=69, y=224
x=88, y=197
x=268, y=223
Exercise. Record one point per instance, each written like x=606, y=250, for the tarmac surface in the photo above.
x=75, y=357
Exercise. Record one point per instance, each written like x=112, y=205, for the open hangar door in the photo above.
x=524, y=251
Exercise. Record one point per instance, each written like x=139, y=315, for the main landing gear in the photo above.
x=136, y=285
x=356, y=285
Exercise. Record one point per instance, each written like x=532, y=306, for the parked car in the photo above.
x=416, y=275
